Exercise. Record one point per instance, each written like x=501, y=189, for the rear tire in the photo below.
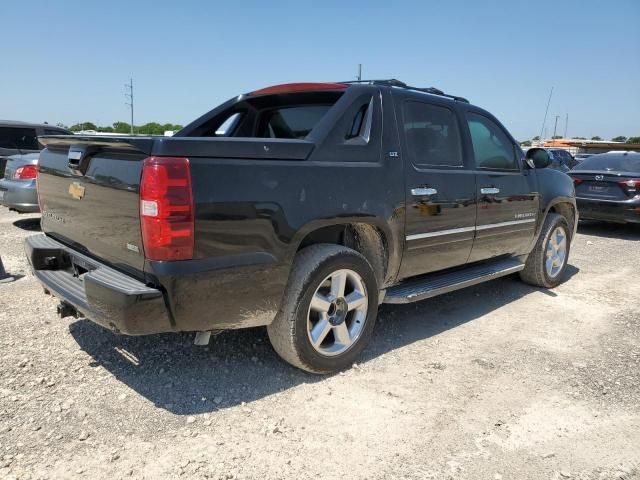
x=547, y=262
x=328, y=310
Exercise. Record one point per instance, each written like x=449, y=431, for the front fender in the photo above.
x=557, y=194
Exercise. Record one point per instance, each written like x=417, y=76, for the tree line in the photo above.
x=619, y=138
x=151, y=128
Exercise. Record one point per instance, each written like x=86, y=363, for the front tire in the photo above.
x=328, y=310
x=547, y=262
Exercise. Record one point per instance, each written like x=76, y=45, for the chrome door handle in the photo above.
x=489, y=191
x=423, y=192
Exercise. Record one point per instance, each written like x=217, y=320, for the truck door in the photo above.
x=440, y=188
x=507, y=192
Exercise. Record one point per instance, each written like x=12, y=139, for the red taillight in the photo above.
x=166, y=209
x=632, y=186
x=577, y=181
x=26, y=172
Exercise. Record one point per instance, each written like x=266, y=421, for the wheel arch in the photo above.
x=565, y=206
x=374, y=241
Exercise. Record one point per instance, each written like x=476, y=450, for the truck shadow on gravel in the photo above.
x=240, y=366
x=622, y=231
x=28, y=224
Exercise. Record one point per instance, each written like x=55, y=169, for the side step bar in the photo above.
x=431, y=285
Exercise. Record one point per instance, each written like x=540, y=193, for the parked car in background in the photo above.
x=608, y=187
x=18, y=187
x=579, y=157
x=561, y=159
x=22, y=137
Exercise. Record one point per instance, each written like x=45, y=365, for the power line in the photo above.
x=129, y=96
x=545, y=114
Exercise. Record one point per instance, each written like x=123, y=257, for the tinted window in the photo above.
x=432, y=135
x=616, y=162
x=291, y=122
x=18, y=138
x=48, y=131
x=491, y=146
x=227, y=127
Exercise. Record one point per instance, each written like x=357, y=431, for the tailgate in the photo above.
x=88, y=190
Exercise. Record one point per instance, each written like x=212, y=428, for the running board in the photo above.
x=431, y=285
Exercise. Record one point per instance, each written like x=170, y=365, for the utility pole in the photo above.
x=555, y=127
x=359, y=72
x=129, y=96
x=566, y=125
x=542, y=130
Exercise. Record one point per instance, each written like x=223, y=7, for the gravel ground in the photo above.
x=499, y=381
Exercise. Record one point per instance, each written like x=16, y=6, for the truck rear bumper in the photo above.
x=102, y=294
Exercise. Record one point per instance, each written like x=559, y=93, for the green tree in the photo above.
x=633, y=140
x=620, y=138
x=555, y=137
x=579, y=138
x=121, y=127
x=596, y=138
x=536, y=138
x=83, y=126
x=526, y=143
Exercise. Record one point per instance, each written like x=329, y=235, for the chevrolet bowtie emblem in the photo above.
x=76, y=190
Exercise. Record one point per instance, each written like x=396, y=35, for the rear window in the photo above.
x=291, y=115
x=617, y=163
x=291, y=122
x=18, y=138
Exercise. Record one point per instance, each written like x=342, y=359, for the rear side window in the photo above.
x=291, y=122
x=491, y=146
x=18, y=138
x=432, y=135
x=48, y=131
x=228, y=126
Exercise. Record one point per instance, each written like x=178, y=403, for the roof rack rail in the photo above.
x=392, y=82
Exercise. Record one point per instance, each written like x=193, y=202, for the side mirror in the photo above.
x=538, y=157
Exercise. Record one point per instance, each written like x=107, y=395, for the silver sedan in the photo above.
x=18, y=187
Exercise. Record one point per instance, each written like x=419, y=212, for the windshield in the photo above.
x=618, y=162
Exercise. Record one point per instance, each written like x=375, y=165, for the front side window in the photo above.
x=491, y=146
x=432, y=135
x=18, y=138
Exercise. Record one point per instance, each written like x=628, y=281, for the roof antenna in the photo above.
x=359, y=77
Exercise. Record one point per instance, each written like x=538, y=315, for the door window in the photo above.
x=491, y=146
x=18, y=138
x=432, y=135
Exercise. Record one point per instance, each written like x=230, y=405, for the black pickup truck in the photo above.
x=301, y=207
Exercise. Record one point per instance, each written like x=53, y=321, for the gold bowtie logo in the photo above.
x=76, y=190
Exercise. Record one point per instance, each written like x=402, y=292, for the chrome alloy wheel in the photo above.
x=556, y=252
x=337, y=313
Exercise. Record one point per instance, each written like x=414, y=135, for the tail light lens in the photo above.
x=26, y=172
x=166, y=208
x=576, y=180
x=631, y=186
